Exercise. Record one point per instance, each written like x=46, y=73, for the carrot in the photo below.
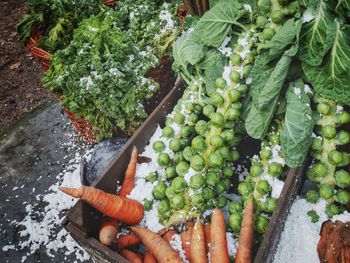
x=207, y=236
x=245, y=240
x=218, y=245
x=198, y=253
x=149, y=258
x=168, y=236
x=129, y=177
x=108, y=231
x=186, y=239
x=131, y=256
x=127, y=241
x=121, y=208
x=161, y=250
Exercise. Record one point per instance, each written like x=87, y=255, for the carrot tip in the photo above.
x=75, y=192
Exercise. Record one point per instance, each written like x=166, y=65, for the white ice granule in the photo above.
x=248, y=8
x=226, y=74
x=176, y=244
x=8, y=247
x=344, y=217
x=166, y=17
x=307, y=16
x=276, y=158
x=224, y=49
x=297, y=91
x=191, y=172
x=232, y=244
x=86, y=81
x=339, y=109
x=307, y=89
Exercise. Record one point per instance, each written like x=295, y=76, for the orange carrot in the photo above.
x=207, y=236
x=198, y=253
x=108, y=231
x=168, y=236
x=121, y=208
x=127, y=241
x=129, y=177
x=149, y=258
x=244, y=250
x=131, y=256
x=218, y=245
x=160, y=249
x=186, y=239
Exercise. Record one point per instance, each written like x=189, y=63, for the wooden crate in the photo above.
x=82, y=220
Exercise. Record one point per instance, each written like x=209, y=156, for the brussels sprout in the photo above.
x=261, y=224
x=220, y=201
x=201, y=127
x=179, y=118
x=164, y=206
x=335, y=157
x=186, y=131
x=234, y=95
x=169, y=192
x=234, y=155
x=312, y=196
x=262, y=187
x=274, y=138
x=227, y=171
x=220, y=83
x=267, y=33
x=170, y=172
x=234, y=222
x=198, y=144
x=169, y=121
x=185, y=142
x=182, y=168
x=226, y=183
x=311, y=175
x=198, y=108
x=216, y=99
x=208, y=109
x=235, y=206
x=328, y=131
x=223, y=152
x=188, y=152
x=343, y=137
x=211, y=178
x=261, y=21
x=175, y=145
x=236, y=59
x=323, y=108
x=197, y=199
x=345, y=159
x=178, y=157
x=270, y=204
x=197, y=162
x=177, y=202
x=228, y=135
x=332, y=210
x=242, y=88
x=245, y=189
x=316, y=144
x=247, y=69
x=220, y=187
x=265, y=154
x=208, y=193
x=236, y=105
x=343, y=197
x=216, y=141
x=342, y=178
x=159, y=190
x=214, y=160
x=232, y=114
x=235, y=77
x=313, y=216
x=256, y=170
x=163, y=159
x=264, y=5
x=168, y=132
x=250, y=57
x=152, y=177
x=326, y=191
x=192, y=119
x=189, y=107
x=277, y=16
x=158, y=146
x=275, y=169
x=320, y=169
x=179, y=184
x=148, y=205
x=217, y=119
x=344, y=117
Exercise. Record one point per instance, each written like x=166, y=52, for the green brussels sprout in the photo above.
x=169, y=192
x=226, y=183
x=219, y=187
x=316, y=144
x=312, y=196
x=249, y=57
x=188, y=152
x=214, y=160
x=343, y=197
x=236, y=105
x=159, y=190
x=229, y=124
x=220, y=83
x=175, y=145
x=311, y=175
x=265, y=154
x=178, y=157
x=185, y=142
x=227, y=171
x=198, y=108
x=186, y=131
x=342, y=178
x=234, y=95
x=216, y=141
x=313, y=216
x=236, y=59
x=169, y=121
x=344, y=117
x=228, y=135
x=328, y=131
x=189, y=107
x=234, y=156
x=192, y=119
x=275, y=169
x=168, y=132
x=179, y=118
x=270, y=204
x=323, y=108
x=220, y=201
x=147, y=205
x=164, y=206
x=223, y=152
x=216, y=99
x=235, y=206
x=170, y=172
x=277, y=16
x=158, y=146
x=197, y=199
x=235, y=77
x=274, y=138
x=198, y=144
x=163, y=159
x=320, y=169
x=217, y=119
x=326, y=192
x=201, y=127
x=208, y=109
x=182, y=168
x=177, y=202
x=264, y=5
x=179, y=184
x=152, y=177
x=232, y=114
x=332, y=210
x=345, y=159
x=261, y=224
x=343, y=137
x=261, y=21
x=243, y=88
x=245, y=189
x=256, y=170
x=247, y=69
x=335, y=157
x=208, y=193
x=197, y=162
x=263, y=187
x=234, y=222
x=267, y=33
x=211, y=178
